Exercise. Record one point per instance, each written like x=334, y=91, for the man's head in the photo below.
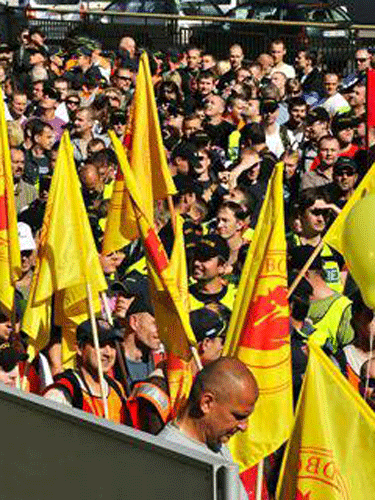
x=50, y=98
x=279, y=79
x=9, y=359
x=363, y=59
x=206, y=83
x=214, y=106
x=123, y=79
x=269, y=110
x=17, y=157
x=18, y=104
x=367, y=382
x=194, y=58
x=141, y=320
x=278, y=51
x=329, y=149
x=27, y=246
x=290, y=158
x=231, y=220
x=62, y=87
x=208, y=61
x=43, y=136
x=127, y=44
x=236, y=56
x=297, y=108
x=345, y=174
x=357, y=97
x=305, y=60
x=312, y=209
x=211, y=254
x=342, y=127
x=317, y=122
x=107, y=335
x=221, y=400
x=191, y=124
x=83, y=122
x=84, y=58
x=331, y=82
x=209, y=326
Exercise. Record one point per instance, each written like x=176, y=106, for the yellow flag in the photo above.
x=330, y=455
x=10, y=256
x=334, y=234
x=67, y=258
x=167, y=277
x=148, y=163
x=259, y=332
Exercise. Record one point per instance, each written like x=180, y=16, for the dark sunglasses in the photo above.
x=371, y=382
x=319, y=211
x=76, y=103
x=361, y=59
x=26, y=253
x=125, y=78
x=348, y=173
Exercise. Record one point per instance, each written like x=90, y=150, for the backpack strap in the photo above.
x=67, y=380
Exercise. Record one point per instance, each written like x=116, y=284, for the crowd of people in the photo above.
x=225, y=124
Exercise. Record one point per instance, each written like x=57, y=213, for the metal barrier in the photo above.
x=214, y=34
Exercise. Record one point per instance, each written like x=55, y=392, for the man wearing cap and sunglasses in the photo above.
x=81, y=388
x=210, y=256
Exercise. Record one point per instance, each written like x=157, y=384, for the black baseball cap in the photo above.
x=9, y=357
x=345, y=164
x=207, y=323
x=211, y=245
x=341, y=121
x=141, y=304
x=106, y=332
x=318, y=114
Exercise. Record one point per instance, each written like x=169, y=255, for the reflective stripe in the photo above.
x=156, y=396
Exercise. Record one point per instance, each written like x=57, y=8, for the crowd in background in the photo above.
x=225, y=124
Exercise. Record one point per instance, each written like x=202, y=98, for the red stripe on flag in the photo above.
x=156, y=251
x=371, y=98
x=3, y=213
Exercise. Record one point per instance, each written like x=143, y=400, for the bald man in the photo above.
x=220, y=403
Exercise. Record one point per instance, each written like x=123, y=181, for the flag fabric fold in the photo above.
x=148, y=163
x=330, y=455
x=334, y=234
x=259, y=332
x=10, y=256
x=67, y=258
x=168, y=281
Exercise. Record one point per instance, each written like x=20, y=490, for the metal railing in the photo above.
x=215, y=34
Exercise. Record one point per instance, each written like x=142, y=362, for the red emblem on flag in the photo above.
x=266, y=326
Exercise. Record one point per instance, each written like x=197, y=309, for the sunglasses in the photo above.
x=76, y=103
x=348, y=173
x=371, y=382
x=125, y=78
x=319, y=211
x=26, y=253
x=361, y=59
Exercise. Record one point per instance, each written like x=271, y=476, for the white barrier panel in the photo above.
x=49, y=452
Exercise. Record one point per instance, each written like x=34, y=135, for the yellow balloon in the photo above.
x=359, y=246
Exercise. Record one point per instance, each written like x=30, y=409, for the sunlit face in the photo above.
x=46, y=138
x=208, y=61
x=298, y=113
x=214, y=106
x=204, y=163
x=330, y=84
x=109, y=262
x=363, y=59
x=290, y=166
x=5, y=328
x=313, y=219
x=19, y=104
x=194, y=59
x=210, y=349
x=89, y=357
x=9, y=378
x=345, y=179
x=18, y=163
x=236, y=56
x=62, y=88
x=191, y=126
x=146, y=330
x=225, y=416
x=329, y=151
x=207, y=270
x=228, y=225
x=124, y=79
x=278, y=52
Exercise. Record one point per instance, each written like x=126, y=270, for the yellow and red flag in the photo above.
x=168, y=280
x=259, y=332
x=148, y=163
x=67, y=259
x=330, y=455
x=10, y=256
x=334, y=234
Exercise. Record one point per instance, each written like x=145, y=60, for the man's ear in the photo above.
x=78, y=348
x=206, y=402
x=133, y=321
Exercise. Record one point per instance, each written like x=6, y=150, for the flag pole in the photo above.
x=196, y=357
x=96, y=345
x=119, y=351
x=260, y=468
x=305, y=268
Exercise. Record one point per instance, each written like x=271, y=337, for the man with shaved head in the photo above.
x=221, y=400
